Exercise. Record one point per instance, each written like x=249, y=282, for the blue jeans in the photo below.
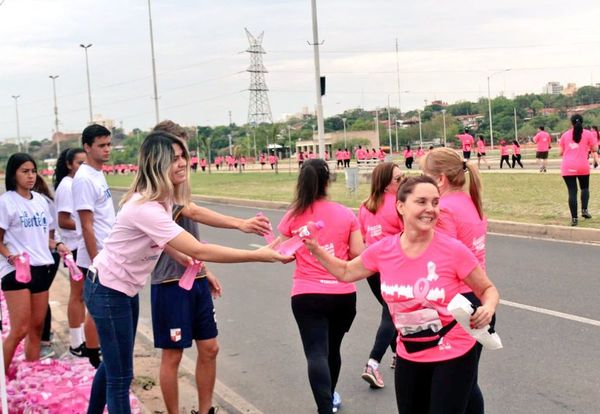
x=116, y=317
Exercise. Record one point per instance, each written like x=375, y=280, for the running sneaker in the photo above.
x=337, y=401
x=372, y=376
x=46, y=351
x=393, y=364
x=80, y=351
x=213, y=410
x=586, y=214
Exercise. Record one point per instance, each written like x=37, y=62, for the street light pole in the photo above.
x=389, y=126
x=53, y=77
x=87, y=70
x=444, y=119
x=15, y=97
x=290, y=144
x=490, y=106
x=315, y=44
x=153, y=64
x=396, y=127
x=345, y=138
x=420, y=129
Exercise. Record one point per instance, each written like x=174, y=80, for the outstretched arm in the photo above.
x=257, y=225
x=342, y=270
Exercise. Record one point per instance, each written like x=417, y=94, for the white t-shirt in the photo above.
x=26, y=224
x=63, y=200
x=90, y=192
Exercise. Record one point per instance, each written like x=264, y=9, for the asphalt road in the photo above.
x=549, y=363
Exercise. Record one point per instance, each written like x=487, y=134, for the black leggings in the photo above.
x=435, y=387
x=409, y=162
x=504, y=158
x=323, y=320
x=516, y=159
x=386, y=333
x=584, y=184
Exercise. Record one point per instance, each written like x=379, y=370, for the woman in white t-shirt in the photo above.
x=144, y=227
x=26, y=225
x=67, y=165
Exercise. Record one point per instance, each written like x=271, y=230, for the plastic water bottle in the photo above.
x=187, y=280
x=310, y=230
x=269, y=236
x=23, y=270
x=76, y=274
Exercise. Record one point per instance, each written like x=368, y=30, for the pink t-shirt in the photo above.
x=542, y=140
x=340, y=222
x=459, y=219
x=360, y=154
x=503, y=149
x=132, y=248
x=385, y=222
x=466, y=140
x=339, y=155
x=347, y=154
x=418, y=290
x=575, y=155
x=481, y=147
x=408, y=153
x=272, y=159
x=420, y=152
x=381, y=154
x=516, y=149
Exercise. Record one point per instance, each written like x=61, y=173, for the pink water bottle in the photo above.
x=23, y=270
x=187, y=280
x=310, y=230
x=269, y=236
x=76, y=274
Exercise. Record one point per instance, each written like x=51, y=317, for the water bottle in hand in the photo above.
x=269, y=236
x=76, y=274
x=187, y=280
x=310, y=230
x=23, y=270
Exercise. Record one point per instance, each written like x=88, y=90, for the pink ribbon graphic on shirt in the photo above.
x=421, y=288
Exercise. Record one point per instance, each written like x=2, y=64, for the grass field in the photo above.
x=530, y=198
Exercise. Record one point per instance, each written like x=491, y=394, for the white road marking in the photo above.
x=550, y=312
x=519, y=236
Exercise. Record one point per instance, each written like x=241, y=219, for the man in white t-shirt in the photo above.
x=95, y=213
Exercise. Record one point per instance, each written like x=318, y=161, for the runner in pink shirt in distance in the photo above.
x=339, y=156
x=466, y=141
x=504, y=154
x=516, y=156
x=379, y=218
x=542, y=141
x=481, y=153
x=421, y=271
x=408, y=157
x=323, y=307
x=347, y=157
x=574, y=147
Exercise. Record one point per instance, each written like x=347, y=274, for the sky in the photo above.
x=446, y=51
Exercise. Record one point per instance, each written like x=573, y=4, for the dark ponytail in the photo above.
x=577, y=122
x=65, y=158
x=312, y=185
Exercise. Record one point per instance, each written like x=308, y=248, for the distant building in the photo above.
x=553, y=88
x=439, y=103
x=105, y=122
x=66, y=136
x=469, y=121
x=570, y=89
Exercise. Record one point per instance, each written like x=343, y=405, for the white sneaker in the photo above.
x=373, y=377
x=337, y=401
x=46, y=351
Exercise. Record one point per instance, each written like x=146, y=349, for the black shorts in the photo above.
x=480, y=154
x=467, y=155
x=542, y=155
x=41, y=279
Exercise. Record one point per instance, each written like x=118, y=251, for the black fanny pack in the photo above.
x=423, y=340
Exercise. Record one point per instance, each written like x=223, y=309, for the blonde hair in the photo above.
x=152, y=179
x=380, y=179
x=448, y=162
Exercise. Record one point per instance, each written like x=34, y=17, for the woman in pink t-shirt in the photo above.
x=504, y=154
x=324, y=308
x=144, y=227
x=421, y=271
x=408, y=157
x=516, y=156
x=461, y=217
x=378, y=218
x=481, y=153
x=574, y=146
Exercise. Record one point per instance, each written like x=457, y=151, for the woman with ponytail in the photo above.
x=461, y=217
x=574, y=146
x=323, y=307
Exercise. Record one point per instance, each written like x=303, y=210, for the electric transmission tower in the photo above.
x=259, y=109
